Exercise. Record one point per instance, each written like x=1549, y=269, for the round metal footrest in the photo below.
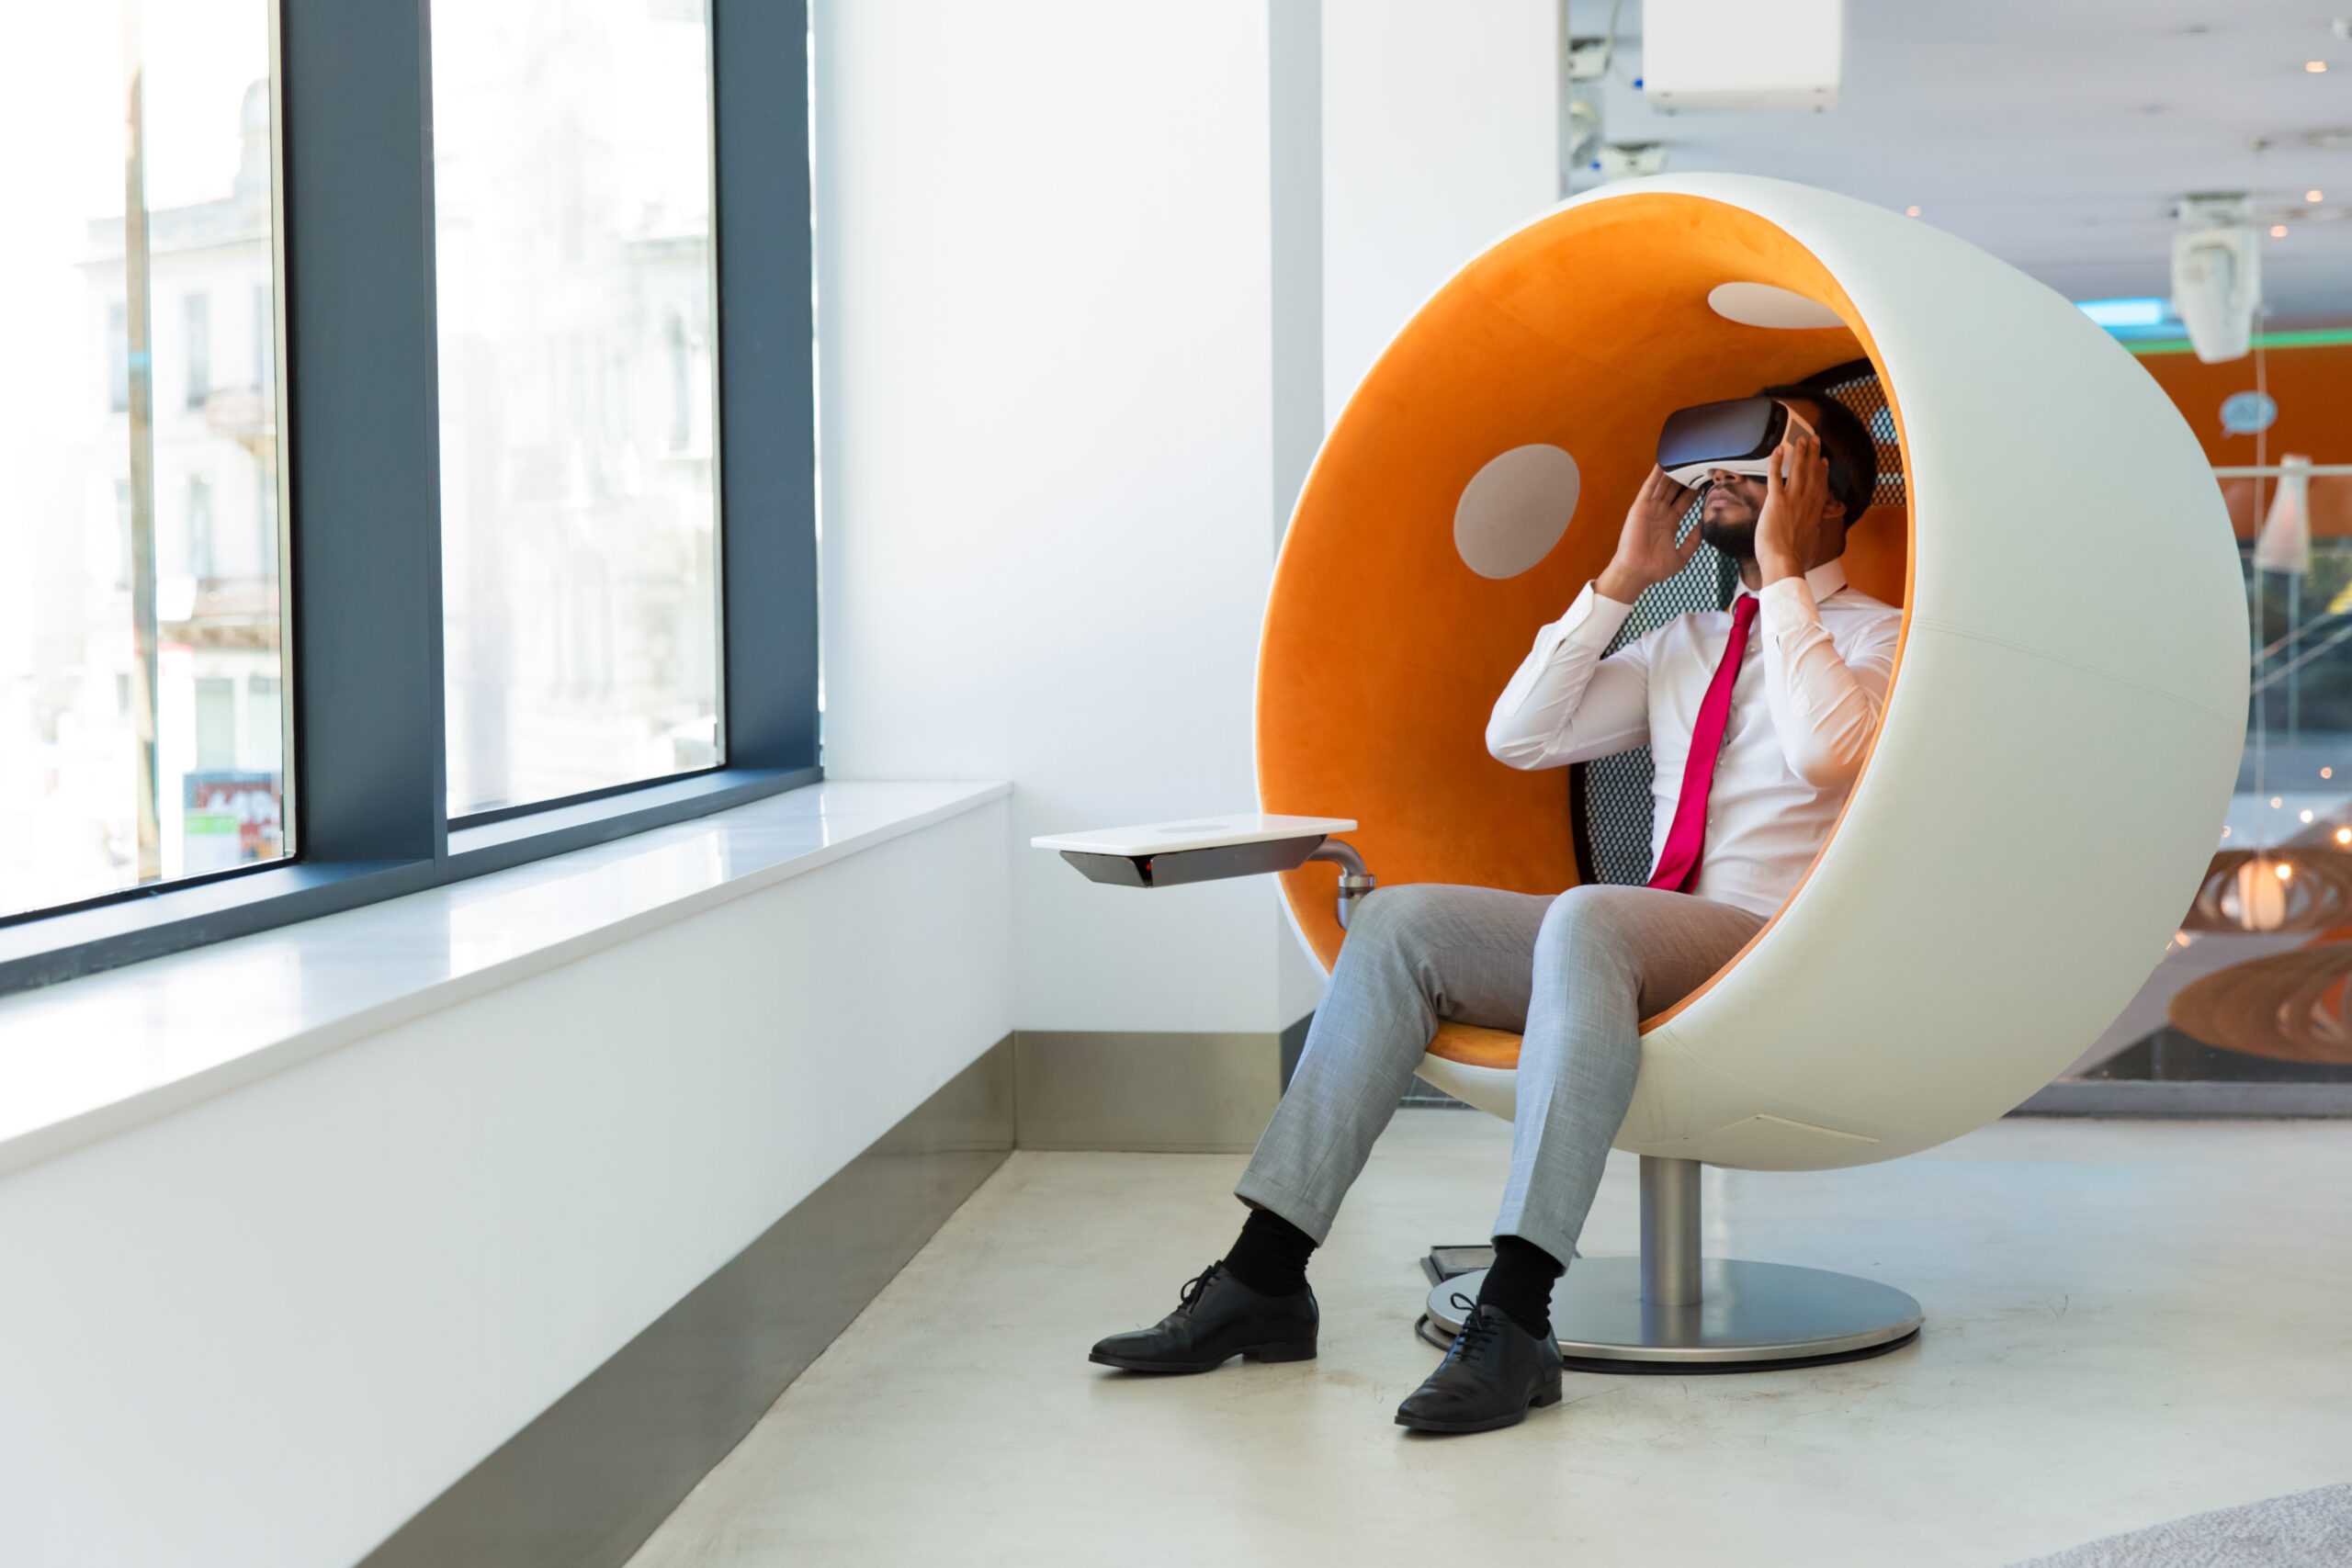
x=1753, y=1315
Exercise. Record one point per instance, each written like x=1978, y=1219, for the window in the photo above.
x=122, y=540
x=201, y=564
x=118, y=358
x=216, y=724
x=560, y=521
x=264, y=336
x=682, y=384
x=265, y=725
x=580, y=528
x=266, y=517
x=124, y=676
x=196, y=344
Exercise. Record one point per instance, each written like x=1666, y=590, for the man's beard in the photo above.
x=1736, y=540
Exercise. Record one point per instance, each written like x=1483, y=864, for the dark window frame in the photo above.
x=360, y=410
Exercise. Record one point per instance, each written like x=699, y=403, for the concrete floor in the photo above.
x=2126, y=1321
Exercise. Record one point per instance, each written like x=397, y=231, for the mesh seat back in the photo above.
x=1610, y=803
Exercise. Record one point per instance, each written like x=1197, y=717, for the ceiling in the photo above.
x=2057, y=134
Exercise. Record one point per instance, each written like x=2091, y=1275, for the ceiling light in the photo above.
x=2144, y=312
x=1910, y=213
x=2133, y=319
x=2316, y=67
x=2257, y=903
x=2313, y=195
x=2278, y=231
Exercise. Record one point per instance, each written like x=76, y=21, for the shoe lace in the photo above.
x=1476, y=1328
x=1190, y=1295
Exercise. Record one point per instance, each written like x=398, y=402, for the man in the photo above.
x=1758, y=719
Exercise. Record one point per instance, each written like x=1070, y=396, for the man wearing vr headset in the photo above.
x=1758, y=718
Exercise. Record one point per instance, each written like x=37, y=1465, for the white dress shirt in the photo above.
x=1804, y=712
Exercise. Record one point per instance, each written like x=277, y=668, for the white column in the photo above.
x=1045, y=280
x=1440, y=134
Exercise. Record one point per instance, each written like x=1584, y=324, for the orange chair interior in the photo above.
x=1383, y=652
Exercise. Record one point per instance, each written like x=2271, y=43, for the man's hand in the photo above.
x=1788, y=531
x=1646, y=552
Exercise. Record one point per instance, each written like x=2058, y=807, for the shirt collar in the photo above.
x=1827, y=578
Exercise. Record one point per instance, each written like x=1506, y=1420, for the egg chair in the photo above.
x=2057, y=749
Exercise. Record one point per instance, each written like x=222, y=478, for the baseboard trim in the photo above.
x=586, y=1483
x=2131, y=1098
x=1134, y=1091
x=1294, y=1046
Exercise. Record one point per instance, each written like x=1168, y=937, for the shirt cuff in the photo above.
x=1593, y=619
x=1788, y=603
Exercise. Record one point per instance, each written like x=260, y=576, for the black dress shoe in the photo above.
x=1494, y=1371
x=1219, y=1319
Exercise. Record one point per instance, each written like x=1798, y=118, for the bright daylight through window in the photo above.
x=143, y=717
x=579, y=498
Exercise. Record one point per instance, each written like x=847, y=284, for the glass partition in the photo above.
x=2251, y=990
x=142, y=716
x=580, y=514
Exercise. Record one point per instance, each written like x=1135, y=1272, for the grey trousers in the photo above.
x=1574, y=975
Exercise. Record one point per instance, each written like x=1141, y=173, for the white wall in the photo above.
x=1045, y=283
x=266, y=1329
x=1063, y=425
x=1440, y=134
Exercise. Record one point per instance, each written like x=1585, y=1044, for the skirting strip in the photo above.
x=1156, y=1093
x=585, y=1483
x=2126, y=1096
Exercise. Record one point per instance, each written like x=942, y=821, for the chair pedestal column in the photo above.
x=1673, y=1310
x=1670, y=1259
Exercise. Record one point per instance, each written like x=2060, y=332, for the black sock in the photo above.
x=1520, y=1283
x=1271, y=1255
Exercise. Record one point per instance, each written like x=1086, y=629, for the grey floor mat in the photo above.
x=2303, y=1529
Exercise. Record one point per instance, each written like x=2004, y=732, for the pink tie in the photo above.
x=1678, y=863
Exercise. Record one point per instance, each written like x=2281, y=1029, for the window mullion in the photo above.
x=361, y=404
x=767, y=382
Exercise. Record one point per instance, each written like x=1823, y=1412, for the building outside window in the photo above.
x=265, y=725
x=196, y=344
x=118, y=358
x=580, y=529
x=266, y=519
x=264, y=336
x=122, y=540
x=201, y=564
x=682, y=385
x=157, y=200
x=215, y=723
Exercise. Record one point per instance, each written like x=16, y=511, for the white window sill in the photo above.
x=88, y=1057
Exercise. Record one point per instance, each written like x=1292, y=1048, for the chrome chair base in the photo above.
x=1748, y=1316
x=1672, y=1310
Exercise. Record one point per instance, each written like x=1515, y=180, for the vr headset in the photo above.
x=1739, y=437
